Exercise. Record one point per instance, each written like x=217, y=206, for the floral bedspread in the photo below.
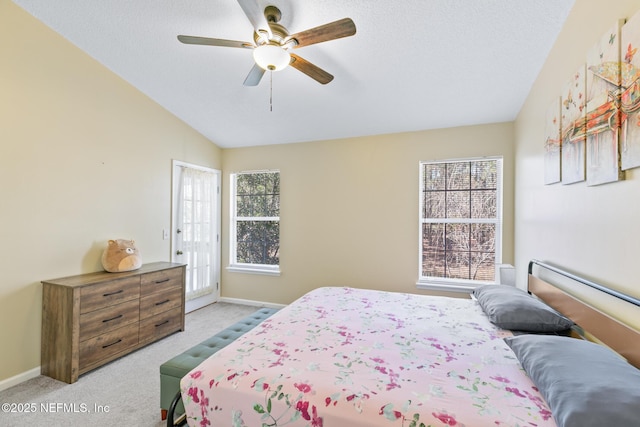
x=350, y=357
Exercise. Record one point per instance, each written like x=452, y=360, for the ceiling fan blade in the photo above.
x=214, y=42
x=331, y=31
x=254, y=76
x=316, y=73
x=255, y=15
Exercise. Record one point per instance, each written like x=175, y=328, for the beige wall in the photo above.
x=349, y=208
x=84, y=158
x=593, y=231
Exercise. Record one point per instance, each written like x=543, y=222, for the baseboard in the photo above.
x=20, y=378
x=251, y=302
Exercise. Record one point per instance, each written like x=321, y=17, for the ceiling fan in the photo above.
x=273, y=43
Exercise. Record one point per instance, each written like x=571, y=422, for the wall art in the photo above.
x=574, y=136
x=630, y=98
x=603, y=112
x=552, y=144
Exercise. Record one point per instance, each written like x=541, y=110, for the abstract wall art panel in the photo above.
x=552, y=144
x=603, y=112
x=573, y=120
x=630, y=97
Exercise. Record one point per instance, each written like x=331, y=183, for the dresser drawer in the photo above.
x=160, y=325
x=110, y=293
x=101, y=347
x=160, y=301
x=109, y=318
x=160, y=280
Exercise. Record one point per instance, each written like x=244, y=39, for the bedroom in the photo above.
x=67, y=187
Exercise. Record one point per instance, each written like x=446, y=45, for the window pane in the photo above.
x=243, y=205
x=458, y=176
x=434, y=204
x=258, y=194
x=457, y=237
x=459, y=251
x=272, y=205
x=433, y=263
x=482, y=251
x=482, y=266
x=258, y=205
x=258, y=242
x=433, y=250
x=484, y=175
x=433, y=236
x=483, y=237
x=483, y=204
x=458, y=204
x=457, y=265
x=433, y=241
x=434, y=176
x=242, y=184
x=272, y=183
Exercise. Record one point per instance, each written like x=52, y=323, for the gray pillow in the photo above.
x=584, y=384
x=511, y=308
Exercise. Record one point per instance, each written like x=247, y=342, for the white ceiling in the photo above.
x=412, y=64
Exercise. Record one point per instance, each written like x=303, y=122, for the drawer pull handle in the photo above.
x=162, y=281
x=113, y=343
x=163, y=302
x=163, y=323
x=113, y=318
x=113, y=293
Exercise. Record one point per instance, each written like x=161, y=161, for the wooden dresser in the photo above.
x=91, y=319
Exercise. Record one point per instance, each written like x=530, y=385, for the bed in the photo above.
x=342, y=356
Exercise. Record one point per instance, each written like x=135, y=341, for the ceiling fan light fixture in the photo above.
x=271, y=57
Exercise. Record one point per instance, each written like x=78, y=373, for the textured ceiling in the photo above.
x=412, y=65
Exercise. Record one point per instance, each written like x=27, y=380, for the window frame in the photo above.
x=455, y=284
x=234, y=265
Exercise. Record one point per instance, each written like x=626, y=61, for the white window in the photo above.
x=255, y=222
x=460, y=223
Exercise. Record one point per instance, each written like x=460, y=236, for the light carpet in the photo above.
x=125, y=392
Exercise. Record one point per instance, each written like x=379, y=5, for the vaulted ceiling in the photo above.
x=412, y=64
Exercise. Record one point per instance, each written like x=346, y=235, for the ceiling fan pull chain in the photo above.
x=271, y=91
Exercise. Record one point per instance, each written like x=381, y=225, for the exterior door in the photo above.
x=196, y=231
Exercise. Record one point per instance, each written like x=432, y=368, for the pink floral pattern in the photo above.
x=362, y=358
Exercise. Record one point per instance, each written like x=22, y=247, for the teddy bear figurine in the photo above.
x=121, y=255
